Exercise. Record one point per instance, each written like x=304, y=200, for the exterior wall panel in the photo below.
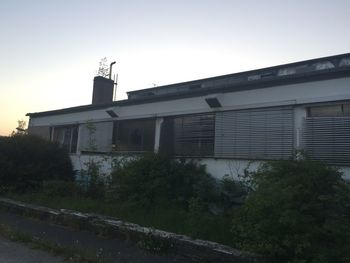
x=41, y=131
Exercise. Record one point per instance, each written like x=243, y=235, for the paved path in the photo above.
x=118, y=251
x=13, y=252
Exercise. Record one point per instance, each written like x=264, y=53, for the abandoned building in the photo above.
x=223, y=122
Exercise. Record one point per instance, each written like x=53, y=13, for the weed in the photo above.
x=154, y=244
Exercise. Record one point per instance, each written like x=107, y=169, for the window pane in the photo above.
x=66, y=137
x=73, y=148
x=96, y=137
x=325, y=111
x=191, y=135
x=134, y=135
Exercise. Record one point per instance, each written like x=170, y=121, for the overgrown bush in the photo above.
x=298, y=212
x=232, y=193
x=153, y=179
x=26, y=161
x=91, y=180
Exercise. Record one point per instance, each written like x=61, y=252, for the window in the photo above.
x=327, y=133
x=134, y=135
x=254, y=134
x=189, y=135
x=66, y=137
x=96, y=137
x=336, y=110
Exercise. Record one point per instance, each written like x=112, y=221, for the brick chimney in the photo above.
x=102, y=91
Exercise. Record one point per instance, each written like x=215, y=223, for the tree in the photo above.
x=21, y=128
x=103, y=69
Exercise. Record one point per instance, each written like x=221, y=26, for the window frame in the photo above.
x=73, y=137
x=206, y=137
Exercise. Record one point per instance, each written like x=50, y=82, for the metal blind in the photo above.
x=254, y=134
x=194, y=135
x=188, y=135
x=328, y=139
x=96, y=139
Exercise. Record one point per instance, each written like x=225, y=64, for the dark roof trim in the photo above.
x=249, y=72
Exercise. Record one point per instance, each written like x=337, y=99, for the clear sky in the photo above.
x=50, y=49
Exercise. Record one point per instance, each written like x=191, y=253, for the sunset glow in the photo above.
x=50, y=50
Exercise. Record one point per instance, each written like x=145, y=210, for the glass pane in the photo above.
x=325, y=111
x=66, y=137
x=134, y=135
x=73, y=148
x=191, y=135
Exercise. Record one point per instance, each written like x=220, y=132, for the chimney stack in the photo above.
x=102, y=91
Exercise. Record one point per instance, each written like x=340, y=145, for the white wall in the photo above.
x=216, y=167
x=318, y=91
x=295, y=94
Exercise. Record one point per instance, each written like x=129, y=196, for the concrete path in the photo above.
x=13, y=252
x=115, y=250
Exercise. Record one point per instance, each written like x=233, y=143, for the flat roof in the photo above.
x=253, y=79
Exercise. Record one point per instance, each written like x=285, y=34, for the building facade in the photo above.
x=224, y=122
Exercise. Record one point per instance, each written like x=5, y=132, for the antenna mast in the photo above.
x=115, y=77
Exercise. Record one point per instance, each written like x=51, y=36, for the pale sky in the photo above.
x=50, y=49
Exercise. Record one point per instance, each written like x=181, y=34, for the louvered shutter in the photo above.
x=328, y=139
x=254, y=134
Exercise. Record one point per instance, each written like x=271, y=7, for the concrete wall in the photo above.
x=216, y=167
x=41, y=131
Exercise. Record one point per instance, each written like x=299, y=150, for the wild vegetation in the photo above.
x=290, y=211
x=299, y=211
x=26, y=161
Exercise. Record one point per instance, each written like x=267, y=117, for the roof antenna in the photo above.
x=115, y=77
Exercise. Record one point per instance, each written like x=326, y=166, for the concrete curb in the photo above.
x=195, y=249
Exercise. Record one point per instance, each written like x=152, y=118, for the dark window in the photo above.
x=66, y=137
x=190, y=135
x=134, y=135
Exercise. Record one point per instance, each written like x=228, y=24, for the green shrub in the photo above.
x=153, y=179
x=299, y=212
x=26, y=161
